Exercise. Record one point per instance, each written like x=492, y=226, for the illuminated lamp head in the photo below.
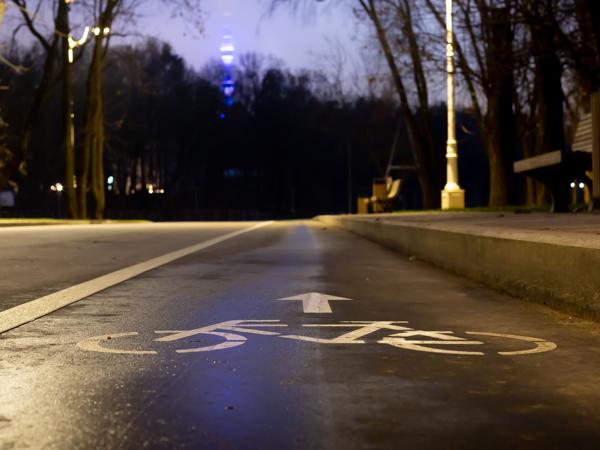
x=227, y=49
x=227, y=59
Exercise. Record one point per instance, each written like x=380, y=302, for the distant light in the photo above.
x=221, y=116
x=59, y=187
x=110, y=180
x=233, y=173
x=581, y=185
x=96, y=31
x=106, y=31
x=227, y=59
x=572, y=185
x=227, y=48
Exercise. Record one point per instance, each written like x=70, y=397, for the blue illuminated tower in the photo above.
x=227, y=57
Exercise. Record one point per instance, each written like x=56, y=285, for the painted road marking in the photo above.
x=403, y=337
x=541, y=345
x=315, y=303
x=93, y=345
x=353, y=337
x=231, y=340
x=364, y=328
x=27, y=312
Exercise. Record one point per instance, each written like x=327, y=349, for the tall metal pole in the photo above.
x=453, y=196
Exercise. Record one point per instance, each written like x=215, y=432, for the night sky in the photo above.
x=301, y=40
x=296, y=39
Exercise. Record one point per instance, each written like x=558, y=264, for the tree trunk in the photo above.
x=98, y=164
x=93, y=141
x=68, y=112
x=593, y=7
x=548, y=79
x=550, y=134
x=500, y=117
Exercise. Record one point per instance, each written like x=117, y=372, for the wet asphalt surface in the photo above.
x=269, y=392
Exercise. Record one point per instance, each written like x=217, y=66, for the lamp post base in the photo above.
x=454, y=199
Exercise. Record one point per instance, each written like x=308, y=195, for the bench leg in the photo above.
x=560, y=197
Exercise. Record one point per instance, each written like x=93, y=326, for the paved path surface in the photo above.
x=577, y=229
x=374, y=373
x=40, y=260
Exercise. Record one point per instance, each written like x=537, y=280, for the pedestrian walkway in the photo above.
x=550, y=258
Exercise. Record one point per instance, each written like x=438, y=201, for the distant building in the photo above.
x=228, y=57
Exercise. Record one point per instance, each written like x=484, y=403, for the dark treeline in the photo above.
x=286, y=148
x=127, y=129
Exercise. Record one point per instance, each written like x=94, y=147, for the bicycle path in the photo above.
x=203, y=353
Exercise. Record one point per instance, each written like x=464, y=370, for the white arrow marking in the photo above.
x=313, y=302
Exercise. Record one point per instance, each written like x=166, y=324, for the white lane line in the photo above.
x=27, y=312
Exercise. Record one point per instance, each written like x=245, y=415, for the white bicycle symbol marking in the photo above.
x=402, y=337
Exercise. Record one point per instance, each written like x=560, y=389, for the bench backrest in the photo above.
x=394, y=189
x=582, y=142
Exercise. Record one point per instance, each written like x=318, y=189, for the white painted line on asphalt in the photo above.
x=93, y=345
x=403, y=340
x=27, y=312
x=541, y=345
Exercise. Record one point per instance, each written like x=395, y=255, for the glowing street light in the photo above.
x=58, y=187
x=452, y=195
x=74, y=43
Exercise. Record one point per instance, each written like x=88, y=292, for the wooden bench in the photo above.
x=382, y=200
x=559, y=168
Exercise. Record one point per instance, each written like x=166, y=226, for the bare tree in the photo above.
x=392, y=21
x=17, y=164
x=104, y=13
x=63, y=28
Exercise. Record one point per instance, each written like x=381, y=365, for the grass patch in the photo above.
x=49, y=221
x=503, y=209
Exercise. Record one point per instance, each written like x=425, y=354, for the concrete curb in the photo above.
x=564, y=277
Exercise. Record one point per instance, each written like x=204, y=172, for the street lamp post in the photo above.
x=58, y=189
x=453, y=197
